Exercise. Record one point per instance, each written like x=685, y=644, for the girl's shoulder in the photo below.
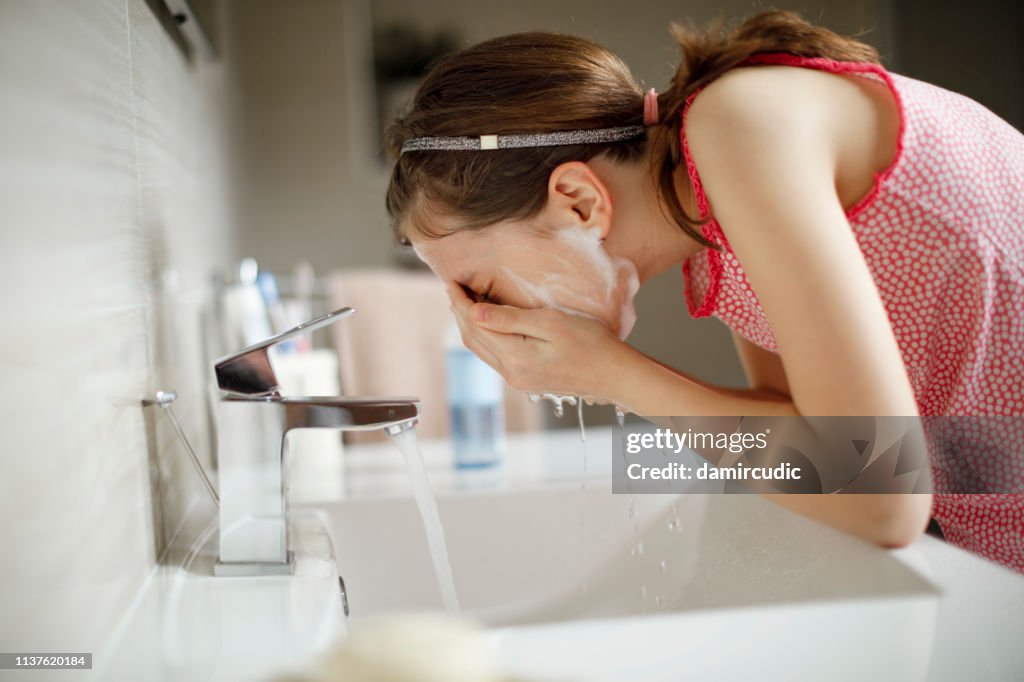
x=835, y=117
x=752, y=102
x=760, y=95
x=763, y=89
x=753, y=116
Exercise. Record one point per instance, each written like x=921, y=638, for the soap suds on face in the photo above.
x=540, y=296
x=612, y=282
x=587, y=243
x=627, y=317
x=421, y=252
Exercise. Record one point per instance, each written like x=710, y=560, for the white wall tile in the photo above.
x=112, y=174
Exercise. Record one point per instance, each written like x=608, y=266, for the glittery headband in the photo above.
x=565, y=137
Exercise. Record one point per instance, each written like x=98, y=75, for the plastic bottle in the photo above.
x=476, y=402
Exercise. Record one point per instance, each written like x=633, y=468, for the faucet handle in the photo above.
x=249, y=372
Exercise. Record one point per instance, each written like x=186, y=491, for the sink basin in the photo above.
x=555, y=555
x=725, y=587
x=577, y=583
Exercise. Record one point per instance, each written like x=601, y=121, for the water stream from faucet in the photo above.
x=409, y=445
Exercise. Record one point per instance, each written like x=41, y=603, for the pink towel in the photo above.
x=394, y=346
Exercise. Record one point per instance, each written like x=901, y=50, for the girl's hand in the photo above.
x=540, y=350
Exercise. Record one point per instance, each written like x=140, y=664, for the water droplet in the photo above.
x=643, y=592
x=638, y=548
x=672, y=524
x=658, y=600
x=663, y=565
x=631, y=509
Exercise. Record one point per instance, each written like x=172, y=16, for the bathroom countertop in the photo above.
x=189, y=625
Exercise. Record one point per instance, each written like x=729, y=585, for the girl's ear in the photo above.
x=576, y=195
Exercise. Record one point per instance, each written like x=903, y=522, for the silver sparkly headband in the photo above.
x=565, y=137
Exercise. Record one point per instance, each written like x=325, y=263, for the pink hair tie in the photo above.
x=651, y=108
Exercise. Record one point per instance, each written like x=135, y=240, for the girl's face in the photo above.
x=513, y=263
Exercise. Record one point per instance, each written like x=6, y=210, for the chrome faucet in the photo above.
x=253, y=422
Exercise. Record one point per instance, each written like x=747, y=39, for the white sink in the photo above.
x=747, y=588
x=737, y=573
x=556, y=555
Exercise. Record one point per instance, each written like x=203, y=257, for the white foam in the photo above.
x=627, y=316
x=557, y=400
x=540, y=295
x=587, y=242
x=554, y=286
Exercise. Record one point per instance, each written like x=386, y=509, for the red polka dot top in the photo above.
x=942, y=232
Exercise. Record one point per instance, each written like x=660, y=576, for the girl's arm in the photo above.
x=763, y=368
x=642, y=385
x=887, y=520
x=767, y=154
x=879, y=518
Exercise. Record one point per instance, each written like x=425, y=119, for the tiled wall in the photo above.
x=113, y=212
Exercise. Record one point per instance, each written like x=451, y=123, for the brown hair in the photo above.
x=541, y=82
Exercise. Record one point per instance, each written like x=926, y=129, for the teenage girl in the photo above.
x=860, y=232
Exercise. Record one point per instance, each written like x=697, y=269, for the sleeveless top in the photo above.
x=942, y=232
